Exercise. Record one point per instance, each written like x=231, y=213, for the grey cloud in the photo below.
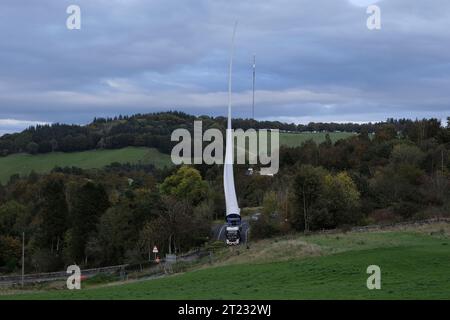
x=316, y=60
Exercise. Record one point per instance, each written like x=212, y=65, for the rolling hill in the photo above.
x=23, y=163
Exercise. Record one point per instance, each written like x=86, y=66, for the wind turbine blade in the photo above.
x=232, y=206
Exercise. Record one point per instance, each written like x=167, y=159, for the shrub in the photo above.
x=264, y=228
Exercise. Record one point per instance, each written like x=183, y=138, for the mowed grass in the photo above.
x=413, y=266
x=296, y=139
x=23, y=164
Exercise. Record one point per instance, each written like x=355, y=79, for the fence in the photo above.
x=60, y=275
x=385, y=226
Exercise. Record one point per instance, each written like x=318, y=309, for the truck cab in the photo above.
x=233, y=229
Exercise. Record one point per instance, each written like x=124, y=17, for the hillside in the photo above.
x=41, y=163
x=24, y=163
x=414, y=265
x=296, y=139
x=143, y=130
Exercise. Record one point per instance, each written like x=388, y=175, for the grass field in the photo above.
x=24, y=163
x=415, y=264
x=296, y=139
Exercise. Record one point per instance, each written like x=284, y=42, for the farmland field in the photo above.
x=296, y=139
x=24, y=163
x=414, y=265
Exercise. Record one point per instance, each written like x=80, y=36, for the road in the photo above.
x=219, y=232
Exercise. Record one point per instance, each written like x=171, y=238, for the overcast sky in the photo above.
x=316, y=59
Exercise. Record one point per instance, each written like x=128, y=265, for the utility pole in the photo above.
x=254, y=76
x=23, y=256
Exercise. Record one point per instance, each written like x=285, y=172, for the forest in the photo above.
x=392, y=171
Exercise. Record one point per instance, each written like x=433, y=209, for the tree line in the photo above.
x=149, y=130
